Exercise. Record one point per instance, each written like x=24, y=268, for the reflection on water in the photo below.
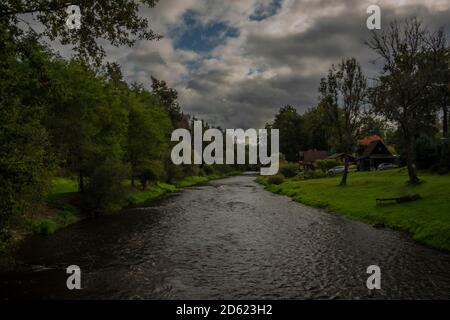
x=229, y=239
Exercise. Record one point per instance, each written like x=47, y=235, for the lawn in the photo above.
x=427, y=220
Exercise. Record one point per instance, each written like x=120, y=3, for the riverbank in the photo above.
x=63, y=210
x=426, y=220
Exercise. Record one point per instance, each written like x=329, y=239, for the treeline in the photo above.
x=66, y=118
x=407, y=103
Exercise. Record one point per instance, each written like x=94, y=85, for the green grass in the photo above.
x=156, y=191
x=151, y=193
x=58, y=201
x=191, y=181
x=48, y=226
x=427, y=220
x=63, y=185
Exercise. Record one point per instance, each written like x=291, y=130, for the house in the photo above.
x=307, y=158
x=373, y=155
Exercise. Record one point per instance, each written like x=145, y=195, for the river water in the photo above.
x=228, y=239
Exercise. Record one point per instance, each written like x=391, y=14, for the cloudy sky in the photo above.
x=235, y=62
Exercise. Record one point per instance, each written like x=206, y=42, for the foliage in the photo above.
x=405, y=91
x=289, y=170
x=289, y=122
x=106, y=191
x=346, y=85
x=117, y=22
x=50, y=225
x=326, y=164
x=25, y=157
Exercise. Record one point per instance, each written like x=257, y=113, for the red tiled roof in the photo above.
x=368, y=140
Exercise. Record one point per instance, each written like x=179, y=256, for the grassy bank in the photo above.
x=427, y=220
x=62, y=210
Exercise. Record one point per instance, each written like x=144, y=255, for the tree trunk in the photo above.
x=344, y=176
x=413, y=179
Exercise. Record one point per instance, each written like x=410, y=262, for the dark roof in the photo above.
x=369, y=151
x=341, y=155
x=311, y=156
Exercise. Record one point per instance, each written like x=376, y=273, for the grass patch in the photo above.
x=48, y=226
x=151, y=193
x=59, y=211
x=427, y=220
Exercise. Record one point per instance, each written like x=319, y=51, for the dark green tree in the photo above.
x=292, y=140
x=405, y=90
x=118, y=22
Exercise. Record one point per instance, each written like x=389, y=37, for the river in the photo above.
x=227, y=239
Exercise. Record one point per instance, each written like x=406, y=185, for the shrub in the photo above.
x=289, y=170
x=106, y=191
x=327, y=164
x=278, y=179
x=174, y=172
x=150, y=171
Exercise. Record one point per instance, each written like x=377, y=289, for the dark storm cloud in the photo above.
x=243, y=79
x=330, y=39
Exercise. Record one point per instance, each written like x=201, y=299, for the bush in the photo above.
x=174, y=172
x=149, y=171
x=289, y=170
x=106, y=191
x=278, y=179
x=327, y=164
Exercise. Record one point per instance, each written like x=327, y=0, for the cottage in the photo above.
x=373, y=155
x=307, y=158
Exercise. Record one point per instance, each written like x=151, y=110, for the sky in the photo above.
x=234, y=63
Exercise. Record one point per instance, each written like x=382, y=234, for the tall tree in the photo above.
x=169, y=99
x=404, y=90
x=292, y=141
x=116, y=21
x=352, y=85
x=344, y=91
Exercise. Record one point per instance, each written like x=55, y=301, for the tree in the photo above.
x=168, y=98
x=346, y=87
x=25, y=157
x=147, y=136
x=352, y=85
x=404, y=90
x=292, y=140
x=116, y=21
x=86, y=121
x=318, y=128
x=328, y=90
